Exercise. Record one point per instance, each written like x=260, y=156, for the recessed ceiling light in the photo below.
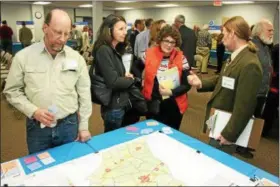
x=237, y=2
x=123, y=8
x=42, y=3
x=125, y=1
x=166, y=5
x=85, y=6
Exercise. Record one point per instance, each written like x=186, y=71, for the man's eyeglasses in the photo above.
x=59, y=34
x=167, y=42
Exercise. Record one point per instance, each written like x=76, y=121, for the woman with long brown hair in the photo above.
x=108, y=48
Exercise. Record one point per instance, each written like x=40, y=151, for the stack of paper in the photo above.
x=169, y=79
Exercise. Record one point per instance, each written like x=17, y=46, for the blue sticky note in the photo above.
x=34, y=166
x=147, y=131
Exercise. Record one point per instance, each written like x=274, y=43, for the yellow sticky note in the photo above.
x=43, y=155
x=8, y=166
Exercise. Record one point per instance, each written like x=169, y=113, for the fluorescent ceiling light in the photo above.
x=41, y=3
x=166, y=5
x=125, y=1
x=237, y=2
x=85, y=6
x=123, y=8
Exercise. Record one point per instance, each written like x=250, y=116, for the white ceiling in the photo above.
x=112, y=5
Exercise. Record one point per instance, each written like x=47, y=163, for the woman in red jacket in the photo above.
x=166, y=105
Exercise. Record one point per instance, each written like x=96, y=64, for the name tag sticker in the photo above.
x=228, y=82
x=70, y=65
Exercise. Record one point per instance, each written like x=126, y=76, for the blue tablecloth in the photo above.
x=76, y=149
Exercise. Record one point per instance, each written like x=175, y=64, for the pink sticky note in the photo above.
x=131, y=128
x=30, y=159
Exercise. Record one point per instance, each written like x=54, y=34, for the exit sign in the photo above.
x=217, y=3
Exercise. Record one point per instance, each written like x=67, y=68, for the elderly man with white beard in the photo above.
x=262, y=36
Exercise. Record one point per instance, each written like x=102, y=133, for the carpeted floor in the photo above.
x=13, y=136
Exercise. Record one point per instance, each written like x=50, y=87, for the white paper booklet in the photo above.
x=221, y=120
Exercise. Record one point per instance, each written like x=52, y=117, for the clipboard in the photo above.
x=253, y=134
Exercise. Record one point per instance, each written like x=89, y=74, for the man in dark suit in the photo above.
x=139, y=27
x=188, y=39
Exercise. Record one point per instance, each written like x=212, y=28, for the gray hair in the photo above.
x=259, y=27
x=180, y=18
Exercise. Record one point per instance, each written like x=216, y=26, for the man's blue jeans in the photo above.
x=112, y=118
x=39, y=139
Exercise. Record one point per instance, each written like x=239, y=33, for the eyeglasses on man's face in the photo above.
x=58, y=34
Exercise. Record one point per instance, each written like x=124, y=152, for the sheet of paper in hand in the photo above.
x=169, y=79
x=127, y=60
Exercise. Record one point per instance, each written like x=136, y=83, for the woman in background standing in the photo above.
x=220, y=51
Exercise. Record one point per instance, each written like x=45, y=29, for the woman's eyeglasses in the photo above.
x=167, y=42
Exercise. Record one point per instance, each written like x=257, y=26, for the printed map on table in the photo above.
x=151, y=160
x=132, y=164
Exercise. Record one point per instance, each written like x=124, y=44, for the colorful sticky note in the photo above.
x=30, y=159
x=167, y=130
x=34, y=166
x=44, y=155
x=134, y=133
x=8, y=166
x=132, y=128
x=12, y=172
x=152, y=123
x=147, y=131
x=48, y=160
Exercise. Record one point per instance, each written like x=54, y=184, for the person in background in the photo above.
x=49, y=83
x=262, y=35
x=6, y=34
x=188, y=39
x=196, y=29
x=138, y=27
x=137, y=67
x=142, y=40
x=108, y=48
x=76, y=36
x=160, y=58
x=130, y=32
x=204, y=42
x=155, y=28
x=271, y=112
x=86, y=39
x=235, y=89
x=220, y=51
x=25, y=35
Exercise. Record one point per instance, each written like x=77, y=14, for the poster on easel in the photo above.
x=29, y=24
x=80, y=25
